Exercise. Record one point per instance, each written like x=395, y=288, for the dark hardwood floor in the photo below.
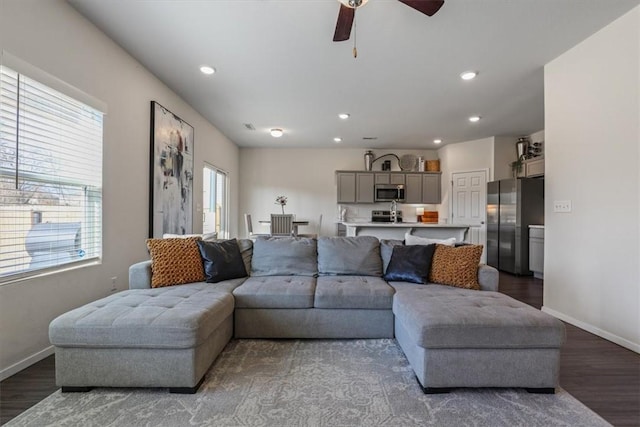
x=599, y=373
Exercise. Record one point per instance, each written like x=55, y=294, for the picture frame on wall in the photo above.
x=171, y=167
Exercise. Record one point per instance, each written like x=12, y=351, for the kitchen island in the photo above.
x=388, y=230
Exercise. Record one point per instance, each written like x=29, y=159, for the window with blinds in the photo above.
x=50, y=178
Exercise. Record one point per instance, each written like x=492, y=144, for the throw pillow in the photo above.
x=221, y=260
x=209, y=237
x=349, y=256
x=175, y=261
x=456, y=266
x=386, y=250
x=410, y=263
x=410, y=239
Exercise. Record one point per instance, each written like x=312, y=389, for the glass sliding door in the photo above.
x=214, y=202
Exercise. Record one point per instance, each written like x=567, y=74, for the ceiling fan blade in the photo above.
x=428, y=7
x=343, y=26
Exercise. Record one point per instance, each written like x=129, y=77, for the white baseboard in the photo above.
x=594, y=330
x=25, y=363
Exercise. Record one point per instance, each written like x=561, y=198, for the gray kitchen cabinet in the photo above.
x=536, y=251
x=365, y=187
x=383, y=178
x=346, y=187
x=413, y=188
x=389, y=178
x=397, y=178
x=534, y=167
x=431, y=189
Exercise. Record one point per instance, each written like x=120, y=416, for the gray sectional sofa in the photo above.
x=332, y=287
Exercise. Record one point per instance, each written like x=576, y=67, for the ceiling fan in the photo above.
x=348, y=12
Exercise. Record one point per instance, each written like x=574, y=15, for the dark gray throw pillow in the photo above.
x=410, y=263
x=221, y=260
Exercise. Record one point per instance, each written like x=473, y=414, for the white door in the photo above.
x=469, y=201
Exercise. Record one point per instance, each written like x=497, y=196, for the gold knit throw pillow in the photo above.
x=456, y=266
x=175, y=261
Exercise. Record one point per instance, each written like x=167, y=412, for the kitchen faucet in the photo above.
x=394, y=211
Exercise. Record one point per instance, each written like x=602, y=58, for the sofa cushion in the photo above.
x=456, y=266
x=221, y=260
x=437, y=316
x=175, y=261
x=169, y=317
x=410, y=239
x=284, y=256
x=410, y=263
x=365, y=292
x=276, y=292
x=350, y=256
x=386, y=250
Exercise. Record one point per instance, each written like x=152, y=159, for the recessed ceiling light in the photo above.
x=277, y=133
x=337, y=139
x=474, y=119
x=205, y=69
x=437, y=141
x=468, y=75
x=344, y=116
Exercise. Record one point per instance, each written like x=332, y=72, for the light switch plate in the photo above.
x=562, y=206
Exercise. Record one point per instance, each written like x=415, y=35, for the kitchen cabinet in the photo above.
x=346, y=187
x=431, y=189
x=413, y=188
x=365, y=188
x=390, y=178
x=359, y=187
x=536, y=250
x=532, y=168
x=422, y=188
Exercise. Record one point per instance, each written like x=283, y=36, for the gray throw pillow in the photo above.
x=350, y=256
x=284, y=256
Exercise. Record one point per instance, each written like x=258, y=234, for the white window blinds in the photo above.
x=50, y=177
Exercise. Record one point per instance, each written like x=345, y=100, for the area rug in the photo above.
x=309, y=383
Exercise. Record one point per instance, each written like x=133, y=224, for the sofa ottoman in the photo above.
x=464, y=338
x=162, y=337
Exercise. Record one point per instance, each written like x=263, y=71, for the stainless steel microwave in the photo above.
x=389, y=192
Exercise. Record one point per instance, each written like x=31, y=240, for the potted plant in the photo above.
x=516, y=166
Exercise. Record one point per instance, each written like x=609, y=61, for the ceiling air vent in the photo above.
x=249, y=126
x=369, y=138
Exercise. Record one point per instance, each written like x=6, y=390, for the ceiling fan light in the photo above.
x=437, y=141
x=474, y=119
x=344, y=116
x=276, y=133
x=337, y=139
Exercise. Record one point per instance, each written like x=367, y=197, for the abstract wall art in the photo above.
x=171, y=165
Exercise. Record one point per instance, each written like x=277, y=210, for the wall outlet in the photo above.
x=114, y=280
x=562, y=206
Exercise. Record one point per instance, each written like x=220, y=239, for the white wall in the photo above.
x=52, y=36
x=307, y=178
x=592, y=116
x=504, y=153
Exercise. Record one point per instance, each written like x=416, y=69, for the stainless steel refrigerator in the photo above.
x=512, y=205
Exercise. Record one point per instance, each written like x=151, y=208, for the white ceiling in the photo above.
x=278, y=67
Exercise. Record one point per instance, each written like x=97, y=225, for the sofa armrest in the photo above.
x=140, y=275
x=488, y=278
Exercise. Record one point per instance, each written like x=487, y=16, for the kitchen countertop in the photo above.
x=403, y=224
x=536, y=226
